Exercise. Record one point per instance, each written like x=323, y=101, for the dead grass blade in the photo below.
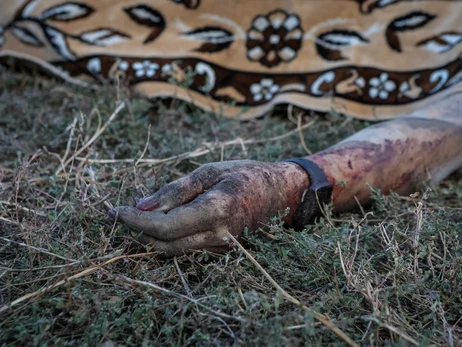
x=198, y=152
x=392, y=329
x=41, y=250
x=93, y=138
x=181, y=296
x=320, y=317
x=83, y=273
x=300, y=134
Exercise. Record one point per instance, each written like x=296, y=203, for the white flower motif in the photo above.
x=123, y=65
x=94, y=65
x=381, y=86
x=264, y=90
x=146, y=68
x=274, y=38
x=167, y=69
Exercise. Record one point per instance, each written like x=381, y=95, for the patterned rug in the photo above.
x=370, y=59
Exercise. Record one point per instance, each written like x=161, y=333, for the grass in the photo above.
x=389, y=276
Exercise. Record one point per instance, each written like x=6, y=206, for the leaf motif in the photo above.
x=59, y=43
x=189, y=4
x=393, y=40
x=215, y=38
x=25, y=10
x=329, y=44
x=329, y=54
x=341, y=38
x=410, y=21
x=26, y=36
x=367, y=6
x=68, y=11
x=441, y=43
x=153, y=35
x=103, y=37
x=147, y=16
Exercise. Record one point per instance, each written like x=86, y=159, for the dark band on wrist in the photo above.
x=319, y=193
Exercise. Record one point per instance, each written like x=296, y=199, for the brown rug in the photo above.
x=370, y=59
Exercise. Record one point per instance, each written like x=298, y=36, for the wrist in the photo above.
x=293, y=184
x=316, y=191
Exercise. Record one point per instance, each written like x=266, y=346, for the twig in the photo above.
x=84, y=273
x=117, y=252
x=93, y=138
x=8, y=221
x=185, y=284
x=69, y=143
x=207, y=148
x=391, y=328
x=94, y=188
x=41, y=268
x=196, y=153
x=18, y=206
x=347, y=275
x=300, y=134
x=181, y=296
x=320, y=317
x=41, y=250
x=145, y=146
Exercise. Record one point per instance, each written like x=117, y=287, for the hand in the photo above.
x=198, y=210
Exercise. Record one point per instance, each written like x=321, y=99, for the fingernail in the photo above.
x=147, y=204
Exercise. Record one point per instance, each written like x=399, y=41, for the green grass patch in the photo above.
x=387, y=277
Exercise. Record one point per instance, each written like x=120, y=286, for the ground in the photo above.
x=387, y=274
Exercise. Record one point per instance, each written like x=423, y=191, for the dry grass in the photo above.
x=70, y=276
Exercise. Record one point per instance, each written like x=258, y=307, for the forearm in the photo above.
x=393, y=155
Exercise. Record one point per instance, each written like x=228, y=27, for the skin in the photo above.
x=197, y=211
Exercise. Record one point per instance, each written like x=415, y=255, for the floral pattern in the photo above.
x=274, y=38
x=94, y=65
x=167, y=69
x=378, y=88
x=264, y=90
x=381, y=86
x=146, y=68
x=123, y=65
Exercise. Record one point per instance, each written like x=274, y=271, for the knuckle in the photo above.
x=206, y=171
x=171, y=190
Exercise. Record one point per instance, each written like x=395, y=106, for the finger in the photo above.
x=207, y=212
x=181, y=191
x=200, y=241
x=197, y=216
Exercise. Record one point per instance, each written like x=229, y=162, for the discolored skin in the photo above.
x=197, y=211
